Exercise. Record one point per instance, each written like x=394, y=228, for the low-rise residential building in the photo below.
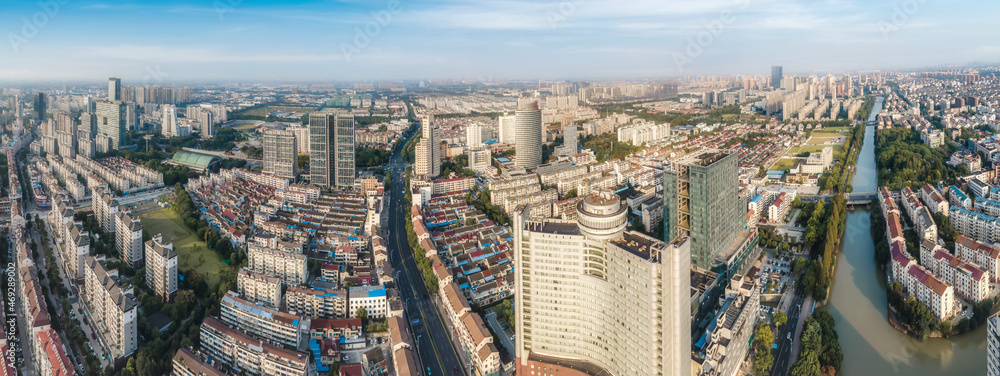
x=372, y=298
x=726, y=342
x=317, y=302
x=934, y=200
x=161, y=267
x=244, y=353
x=936, y=295
x=187, y=363
x=987, y=257
x=981, y=227
x=958, y=198
x=50, y=355
x=478, y=342
x=970, y=283
x=259, y=287
x=264, y=322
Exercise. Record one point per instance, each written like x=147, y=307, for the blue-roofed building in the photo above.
x=958, y=198
x=372, y=298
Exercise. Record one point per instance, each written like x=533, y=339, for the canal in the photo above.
x=858, y=302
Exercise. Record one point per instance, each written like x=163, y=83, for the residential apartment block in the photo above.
x=105, y=206
x=161, y=267
x=249, y=355
x=970, y=282
x=128, y=238
x=259, y=287
x=187, y=363
x=273, y=258
x=985, y=256
x=727, y=338
x=317, y=302
x=993, y=346
x=111, y=309
x=264, y=322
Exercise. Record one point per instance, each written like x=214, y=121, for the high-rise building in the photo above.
x=281, y=153
x=528, y=135
x=41, y=105
x=505, y=127
x=345, y=149
x=111, y=309
x=331, y=149
x=128, y=238
x=474, y=135
x=428, y=150
x=114, y=89
x=111, y=121
x=161, y=267
x=776, y=76
x=320, y=149
x=700, y=202
x=570, y=138
x=993, y=346
x=596, y=299
x=169, y=127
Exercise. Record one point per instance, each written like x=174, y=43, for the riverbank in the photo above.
x=858, y=303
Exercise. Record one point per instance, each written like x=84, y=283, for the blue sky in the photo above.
x=217, y=40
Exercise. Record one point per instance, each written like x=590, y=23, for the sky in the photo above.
x=485, y=40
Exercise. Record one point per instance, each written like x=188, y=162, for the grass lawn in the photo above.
x=245, y=126
x=192, y=253
x=814, y=148
x=831, y=132
x=826, y=140
x=783, y=164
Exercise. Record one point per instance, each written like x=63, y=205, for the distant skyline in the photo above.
x=228, y=40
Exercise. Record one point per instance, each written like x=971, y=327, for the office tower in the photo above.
x=161, y=267
x=331, y=149
x=41, y=105
x=506, y=129
x=700, y=202
x=320, y=146
x=776, y=76
x=111, y=121
x=993, y=346
x=169, y=127
x=593, y=296
x=428, y=150
x=345, y=149
x=281, y=153
x=114, y=89
x=528, y=135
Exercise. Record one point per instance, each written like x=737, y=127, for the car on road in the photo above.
x=789, y=335
x=455, y=369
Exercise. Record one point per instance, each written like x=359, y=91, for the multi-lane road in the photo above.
x=433, y=345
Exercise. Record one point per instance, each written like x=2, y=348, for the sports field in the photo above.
x=192, y=253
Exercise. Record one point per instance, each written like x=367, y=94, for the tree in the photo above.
x=808, y=362
x=780, y=319
x=362, y=314
x=763, y=360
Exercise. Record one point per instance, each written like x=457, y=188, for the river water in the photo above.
x=858, y=301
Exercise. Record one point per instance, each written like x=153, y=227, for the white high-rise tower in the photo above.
x=528, y=134
x=594, y=296
x=169, y=127
x=428, y=150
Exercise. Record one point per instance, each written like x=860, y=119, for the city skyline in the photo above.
x=484, y=41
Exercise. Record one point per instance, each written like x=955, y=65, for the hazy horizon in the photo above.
x=321, y=41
